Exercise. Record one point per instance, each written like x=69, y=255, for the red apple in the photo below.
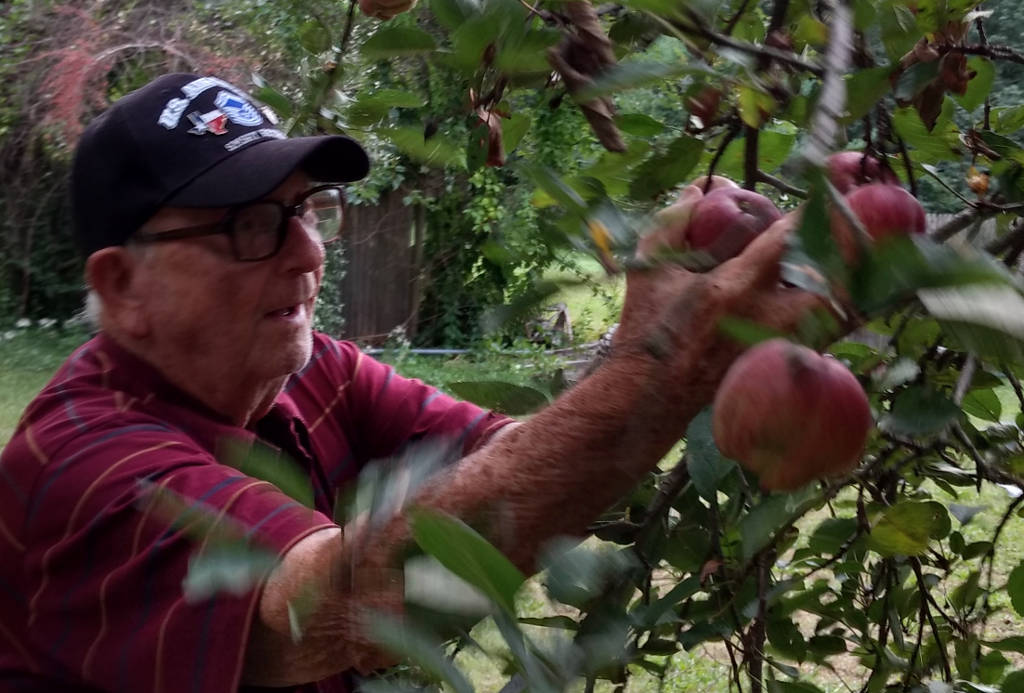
x=790, y=415
x=884, y=210
x=848, y=170
x=726, y=220
x=887, y=210
x=716, y=183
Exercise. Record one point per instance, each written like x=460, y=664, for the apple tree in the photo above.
x=897, y=575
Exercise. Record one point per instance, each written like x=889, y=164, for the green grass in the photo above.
x=28, y=359
x=593, y=305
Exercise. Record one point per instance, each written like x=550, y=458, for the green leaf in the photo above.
x=262, y=462
x=980, y=85
x=831, y=534
x=278, y=102
x=930, y=146
x=814, y=255
x=528, y=56
x=776, y=686
x=919, y=411
x=512, y=130
x=664, y=171
x=983, y=404
x=759, y=526
x=508, y=398
x=431, y=585
x=577, y=575
x=826, y=645
x=453, y=13
x=639, y=124
x=371, y=108
x=437, y=151
x=1009, y=120
x=755, y=106
x=1014, y=643
x=898, y=373
x=898, y=267
x=314, y=37
x=1014, y=683
x=232, y=568
x=634, y=74
x=463, y=551
x=914, y=79
x=560, y=622
x=908, y=527
x=394, y=41
x=420, y=646
x=1015, y=588
x=864, y=89
x=998, y=307
x=556, y=188
x=705, y=463
x=899, y=29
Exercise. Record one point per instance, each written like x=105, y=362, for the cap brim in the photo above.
x=256, y=170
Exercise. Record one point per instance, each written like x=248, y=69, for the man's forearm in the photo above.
x=549, y=476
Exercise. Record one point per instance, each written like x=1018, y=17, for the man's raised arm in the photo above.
x=549, y=476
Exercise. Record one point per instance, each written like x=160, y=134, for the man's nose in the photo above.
x=303, y=251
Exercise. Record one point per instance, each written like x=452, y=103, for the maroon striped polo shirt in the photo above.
x=91, y=594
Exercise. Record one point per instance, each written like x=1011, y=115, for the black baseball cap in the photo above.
x=186, y=140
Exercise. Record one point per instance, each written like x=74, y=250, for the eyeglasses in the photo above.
x=257, y=229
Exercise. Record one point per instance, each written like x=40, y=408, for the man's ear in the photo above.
x=114, y=273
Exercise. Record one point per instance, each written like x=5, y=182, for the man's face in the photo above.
x=230, y=321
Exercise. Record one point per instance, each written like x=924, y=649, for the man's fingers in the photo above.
x=761, y=259
x=671, y=223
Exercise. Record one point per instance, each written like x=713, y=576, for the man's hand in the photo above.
x=674, y=315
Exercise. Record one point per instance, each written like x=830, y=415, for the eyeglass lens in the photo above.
x=256, y=227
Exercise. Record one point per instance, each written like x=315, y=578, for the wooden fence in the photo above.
x=380, y=288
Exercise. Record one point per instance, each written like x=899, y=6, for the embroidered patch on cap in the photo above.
x=214, y=122
x=238, y=110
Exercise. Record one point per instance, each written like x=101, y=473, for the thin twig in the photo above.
x=751, y=137
x=994, y=52
x=960, y=221
x=966, y=376
x=781, y=185
x=931, y=621
x=980, y=24
x=759, y=51
x=729, y=136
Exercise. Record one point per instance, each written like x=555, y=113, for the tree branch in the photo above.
x=832, y=103
x=987, y=51
x=696, y=28
x=781, y=185
x=750, y=141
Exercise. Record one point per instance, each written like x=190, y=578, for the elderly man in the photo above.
x=204, y=229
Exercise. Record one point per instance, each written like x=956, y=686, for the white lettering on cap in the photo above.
x=254, y=136
x=172, y=113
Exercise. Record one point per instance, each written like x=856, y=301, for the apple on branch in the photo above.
x=884, y=210
x=849, y=170
x=726, y=220
x=790, y=415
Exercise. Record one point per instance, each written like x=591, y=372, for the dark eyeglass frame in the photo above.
x=226, y=225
